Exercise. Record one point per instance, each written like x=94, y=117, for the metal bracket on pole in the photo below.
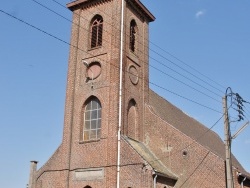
x=240, y=130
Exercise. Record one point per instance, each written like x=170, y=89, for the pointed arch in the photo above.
x=96, y=31
x=92, y=111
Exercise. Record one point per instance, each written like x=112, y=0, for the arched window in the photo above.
x=133, y=30
x=92, y=120
x=132, y=120
x=96, y=31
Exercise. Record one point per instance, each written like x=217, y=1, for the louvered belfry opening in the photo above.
x=132, y=35
x=96, y=31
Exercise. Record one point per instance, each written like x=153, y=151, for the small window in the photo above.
x=92, y=120
x=133, y=30
x=96, y=31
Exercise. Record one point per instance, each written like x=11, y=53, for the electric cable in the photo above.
x=194, y=140
x=143, y=62
x=195, y=168
x=79, y=49
x=206, y=175
x=246, y=109
x=153, y=51
x=166, y=58
x=188, y=72
x=185, y=77
x=49, y=34
x=184, y=83
x=198, y=138
x=57, y=38
x=184, y=97
x=186, y=64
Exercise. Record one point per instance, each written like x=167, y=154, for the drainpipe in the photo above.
x=242, y=184
x=155, y=179
x=120, y=98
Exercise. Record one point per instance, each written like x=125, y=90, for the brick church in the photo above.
x=117, y=132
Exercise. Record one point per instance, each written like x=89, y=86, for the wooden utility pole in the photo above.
x=229, y=174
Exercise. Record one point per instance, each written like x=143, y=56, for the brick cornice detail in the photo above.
x=85, y=4
x=141, y=9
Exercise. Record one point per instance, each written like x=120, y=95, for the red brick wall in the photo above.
x=134, y=173
x=75, y=154
x=197, y=168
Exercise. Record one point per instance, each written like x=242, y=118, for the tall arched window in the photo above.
x=96, y=31
x=92, y=120
x=133, y=131
x=133, y=30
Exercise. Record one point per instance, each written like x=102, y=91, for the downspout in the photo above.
x=120, y=98
x=155, y=179
x=242, y=184
x=244, y=179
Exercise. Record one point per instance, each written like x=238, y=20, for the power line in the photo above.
x=161, y=56
x=57, y=38
x=187, y=71
x=185, y=98
x=143, y=62
x=197, y=139
x=194, y=140
x=167, y=58
x=80, y=49
x=195, y=169
x=184, y=83
x=24, y=22
x=178, y=59
x=186, y=77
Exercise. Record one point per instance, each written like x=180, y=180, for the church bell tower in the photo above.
x=98, y=52
x=107, y=87
x=104, y=62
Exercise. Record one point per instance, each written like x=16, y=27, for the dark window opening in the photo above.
x=132, y=35
x=87, y=186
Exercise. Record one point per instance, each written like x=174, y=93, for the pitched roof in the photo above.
x=151, y=159
x=190, y=127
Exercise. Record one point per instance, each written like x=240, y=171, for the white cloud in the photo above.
x=200, y=13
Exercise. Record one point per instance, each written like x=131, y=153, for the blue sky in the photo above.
x=212, y=37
